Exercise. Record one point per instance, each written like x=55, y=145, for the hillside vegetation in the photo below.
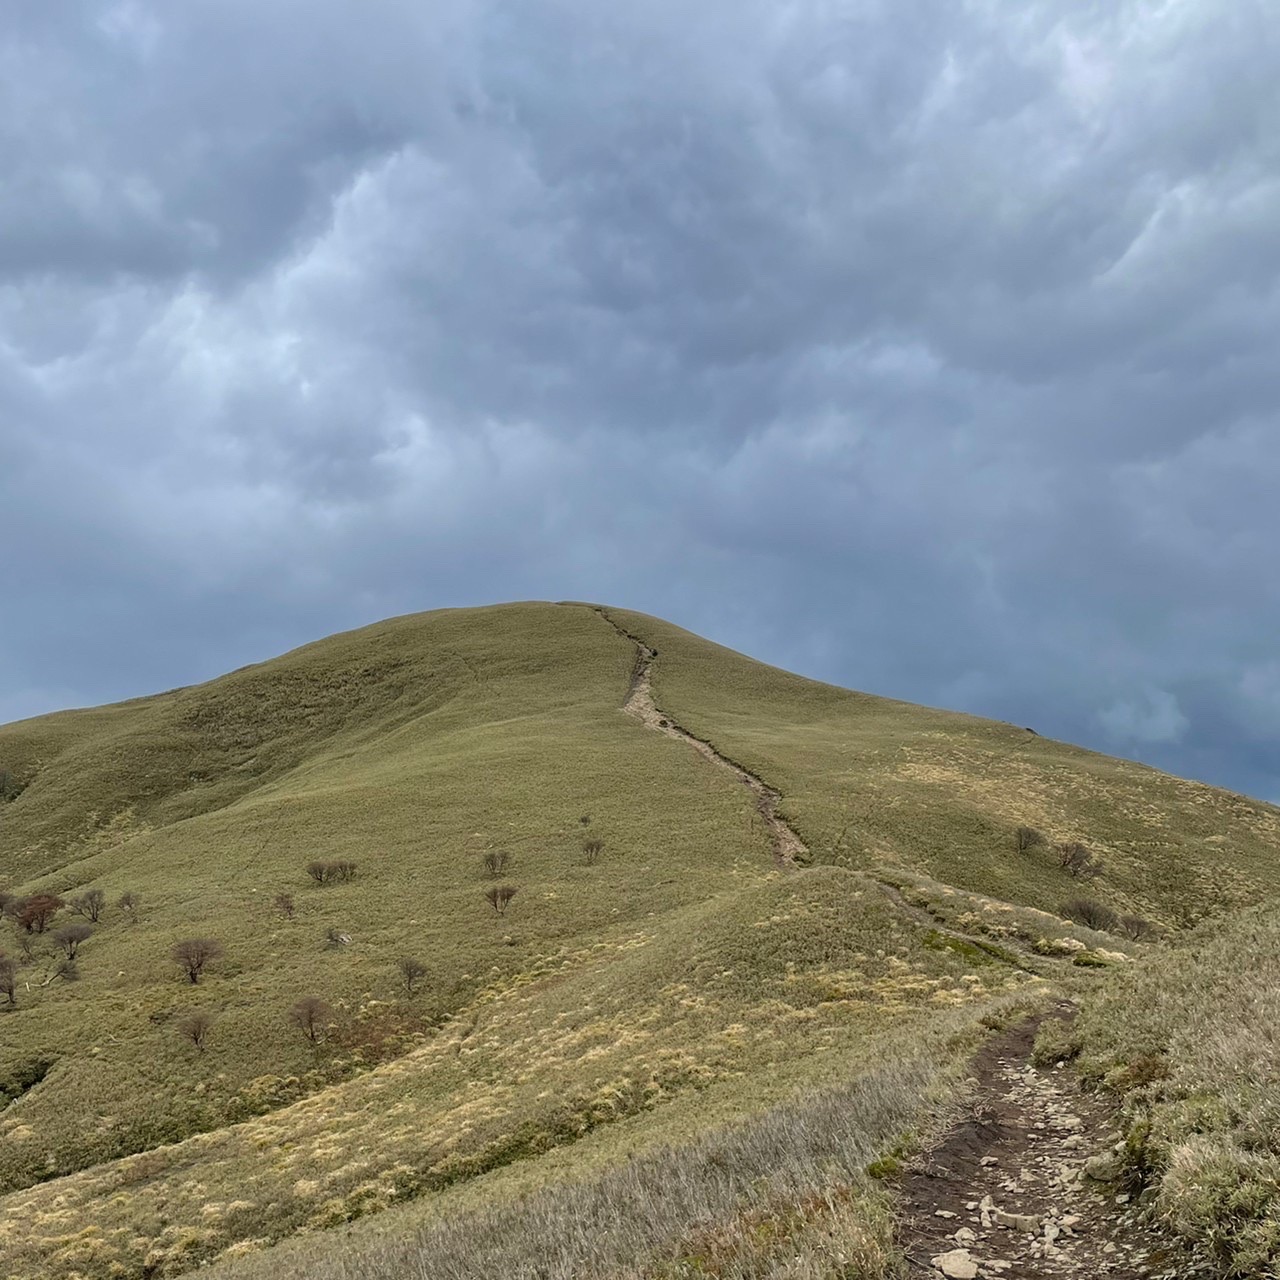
x=371, y=1032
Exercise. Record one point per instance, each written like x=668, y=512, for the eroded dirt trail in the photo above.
x=1008, y=1192
x=787, y=846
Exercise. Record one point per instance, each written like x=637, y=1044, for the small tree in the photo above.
x=309, y=1015
x=196, y=1026
x=1078, y=861
x=591, y=851
x=8, y=980
x=89, y=904
x=411, y=972
x=70, y=936
x=283, y=903
x=194, y=955
x=1027, y=838
x=496, y=861
x=318, y=871
x=128, y=903
x=343, y=869
x=1088, y=912
x=1136, y=928
x=35, y=913
x=500, y=897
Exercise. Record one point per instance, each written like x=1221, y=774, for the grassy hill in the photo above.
x=633, y=999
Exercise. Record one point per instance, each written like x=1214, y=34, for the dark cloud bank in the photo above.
x=926, y=347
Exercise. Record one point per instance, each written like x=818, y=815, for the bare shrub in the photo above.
x=128, y=903
x=1136, y=928
x=585, y=819
x=336, y=938
x=1079, y=861
x=193, y=955
x=195, y=1027
x=331, y=872
x=309, y=1015
x=1090, y=913
x=591, y=851
x=36, y=913
x=10, y=787
x=283, y=903
x=1027, y=838
x=496, y=862
x=90, y=904
x=500, y=897
x=70, y=937
x=411, y=972
x=8, y=980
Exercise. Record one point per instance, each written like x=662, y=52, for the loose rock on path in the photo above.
x=1017, y=1189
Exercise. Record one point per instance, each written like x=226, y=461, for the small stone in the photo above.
x=943, y=1213
x=1027, y=1223
x=956, y=1265
x=966, y=1235
x=988, y=1161
x=1109, y=1247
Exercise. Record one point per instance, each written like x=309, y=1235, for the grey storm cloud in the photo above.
x=926, y=347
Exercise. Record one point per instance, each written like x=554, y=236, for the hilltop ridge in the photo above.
x=674, y=934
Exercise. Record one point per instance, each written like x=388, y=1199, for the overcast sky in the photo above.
x=930, y=347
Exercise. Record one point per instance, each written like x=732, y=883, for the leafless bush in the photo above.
x=8, y=980
x=1136, y=928
x=193, y=955
x=411, y=972
x=336, y=938
x=585, y=819
x=128, y=903
x=331, y=872
x=1079, y=861
x=591, y=851
x=196, y=1026
x=1090, y=913
x=500, y=897
x=70, y=937
x=310, y=1015
x=283, y=903
x=496, y=861
x=1027, y=838
x=89, y=904
x=35, y=913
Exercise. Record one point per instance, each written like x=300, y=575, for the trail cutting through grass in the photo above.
x=1027, y=1186
x=788, y=848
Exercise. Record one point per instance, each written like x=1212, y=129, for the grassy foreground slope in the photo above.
x=627, y=1000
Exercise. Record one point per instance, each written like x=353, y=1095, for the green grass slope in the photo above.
x=674, y=981
x=874, y=783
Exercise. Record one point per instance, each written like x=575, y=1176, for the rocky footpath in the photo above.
x=1026, y=1186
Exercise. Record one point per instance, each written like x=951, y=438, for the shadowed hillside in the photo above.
x=335, y=822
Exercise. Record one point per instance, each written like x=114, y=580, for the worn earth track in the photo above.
x=788, y=848
x=1008, y=1191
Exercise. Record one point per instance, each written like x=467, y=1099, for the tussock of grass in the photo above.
x=1188, y=1038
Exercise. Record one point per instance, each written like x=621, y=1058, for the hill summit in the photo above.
x=489, y=900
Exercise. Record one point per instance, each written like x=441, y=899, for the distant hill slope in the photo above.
x=675, y=961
